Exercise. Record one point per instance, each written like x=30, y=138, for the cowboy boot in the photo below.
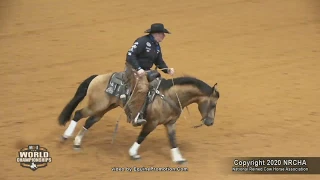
x=139, y=120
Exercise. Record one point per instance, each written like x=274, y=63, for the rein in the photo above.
x=180, y=105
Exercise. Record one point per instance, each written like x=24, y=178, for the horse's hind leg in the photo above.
x=78, y=115
x=98, y=101
x=89, y=123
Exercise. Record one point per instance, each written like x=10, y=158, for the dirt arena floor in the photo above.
x=263, y=54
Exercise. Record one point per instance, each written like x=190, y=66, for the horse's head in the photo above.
x=207, y=106
x=192, y=90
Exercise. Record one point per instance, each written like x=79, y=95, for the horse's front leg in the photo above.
x=175, y=152
x=145, y=131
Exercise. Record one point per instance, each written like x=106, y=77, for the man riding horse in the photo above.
x=144, y=52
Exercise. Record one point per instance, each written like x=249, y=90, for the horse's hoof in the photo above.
x=63, y=139
x=77, y=147
x=181, y=162
x=135, y=157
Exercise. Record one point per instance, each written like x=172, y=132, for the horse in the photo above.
x=165, y=102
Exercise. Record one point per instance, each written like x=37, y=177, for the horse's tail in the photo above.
x=81, y=93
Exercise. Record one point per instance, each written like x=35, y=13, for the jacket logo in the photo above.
x=148, y=44
x=134, y=46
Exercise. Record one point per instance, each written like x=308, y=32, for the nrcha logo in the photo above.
x=34, y=157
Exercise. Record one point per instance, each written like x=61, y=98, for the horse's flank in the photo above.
x=97, y=98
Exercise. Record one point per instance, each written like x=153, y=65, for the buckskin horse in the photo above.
x=165, y=102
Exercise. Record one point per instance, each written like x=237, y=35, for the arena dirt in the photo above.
x=263, y=54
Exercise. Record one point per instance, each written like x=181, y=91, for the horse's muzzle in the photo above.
x=208, y=121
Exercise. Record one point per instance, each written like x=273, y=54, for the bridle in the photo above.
x=207, y=114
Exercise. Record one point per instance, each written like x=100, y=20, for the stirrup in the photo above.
x=138, y=121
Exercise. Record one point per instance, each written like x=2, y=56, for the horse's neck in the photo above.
x=186, y=94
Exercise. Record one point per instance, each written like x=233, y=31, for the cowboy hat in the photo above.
x=157, y=28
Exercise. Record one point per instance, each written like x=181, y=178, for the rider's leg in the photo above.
x=138, y=101
x=139, y=95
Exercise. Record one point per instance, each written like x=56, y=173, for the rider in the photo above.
x=144, y=52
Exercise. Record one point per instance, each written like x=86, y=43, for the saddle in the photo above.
x=118, y=87
x=152, y=75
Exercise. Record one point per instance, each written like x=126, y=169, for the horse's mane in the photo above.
x=186, y=80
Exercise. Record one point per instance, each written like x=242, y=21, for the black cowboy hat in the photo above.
x=157, y=28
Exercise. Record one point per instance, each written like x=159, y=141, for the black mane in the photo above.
x=202, y=86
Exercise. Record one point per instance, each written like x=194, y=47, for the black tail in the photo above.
x=66, y=113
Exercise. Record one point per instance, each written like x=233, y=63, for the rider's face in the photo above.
x=159, y=37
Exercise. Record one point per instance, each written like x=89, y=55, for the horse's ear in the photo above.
x=214, y=88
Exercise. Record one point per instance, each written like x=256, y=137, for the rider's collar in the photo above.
x=153, y=40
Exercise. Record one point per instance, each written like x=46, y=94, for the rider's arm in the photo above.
x=160, y=63
x=137, y=47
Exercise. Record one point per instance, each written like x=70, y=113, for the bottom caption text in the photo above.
x=150, y=169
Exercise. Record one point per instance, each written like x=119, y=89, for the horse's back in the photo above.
x=99, y=83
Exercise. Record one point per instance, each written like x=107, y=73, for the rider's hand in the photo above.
x=171, y=71
x=141, y=72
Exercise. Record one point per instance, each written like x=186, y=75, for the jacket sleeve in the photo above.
x=160, y=63
x=132, y=55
